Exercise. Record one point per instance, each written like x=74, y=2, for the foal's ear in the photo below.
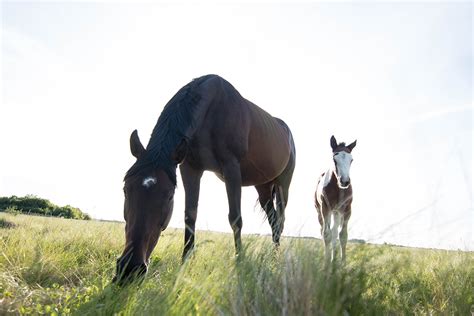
x=136, y=146
x=333, y=142
x=351, y=146
x=180, y=152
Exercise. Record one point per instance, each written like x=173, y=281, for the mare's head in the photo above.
x=342, y=158
x=148, y=206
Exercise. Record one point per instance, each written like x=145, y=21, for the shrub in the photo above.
x=31, y=204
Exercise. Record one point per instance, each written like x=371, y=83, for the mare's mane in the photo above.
x=172, y=126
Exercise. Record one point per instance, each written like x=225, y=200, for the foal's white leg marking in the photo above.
x=334, y=233
x=327, y=237
x=326, y=227
x=343, y=240
x=148, y=182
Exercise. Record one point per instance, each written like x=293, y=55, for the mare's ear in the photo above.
x=136, y=146
x=333, y=142
x=351, y=146
x=180, y=152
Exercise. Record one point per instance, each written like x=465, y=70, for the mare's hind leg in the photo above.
x=265, y=197
x=191, y=182
x=233, y=185
x=281, y=202
x=281, y=188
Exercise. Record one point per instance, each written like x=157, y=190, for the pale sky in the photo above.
x=78, y=78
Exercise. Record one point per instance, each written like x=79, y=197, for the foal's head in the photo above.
x=342, y=162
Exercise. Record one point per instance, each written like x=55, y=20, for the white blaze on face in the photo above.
x=148, y=182
x=343, y=162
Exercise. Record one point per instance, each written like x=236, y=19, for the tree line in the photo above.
x=32, y=204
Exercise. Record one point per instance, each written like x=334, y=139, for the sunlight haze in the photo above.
x=78, y=78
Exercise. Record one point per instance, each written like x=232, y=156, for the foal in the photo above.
x=333, y=198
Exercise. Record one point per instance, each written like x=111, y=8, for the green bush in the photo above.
x=31, y=204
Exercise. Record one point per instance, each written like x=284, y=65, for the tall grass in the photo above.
x=50, y=265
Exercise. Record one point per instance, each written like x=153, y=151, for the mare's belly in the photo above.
x=260, y=171
x=252, y=174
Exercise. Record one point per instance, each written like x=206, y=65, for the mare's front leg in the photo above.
x=191, y=182
x=233, y=185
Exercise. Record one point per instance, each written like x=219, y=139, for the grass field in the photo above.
x=60, y=266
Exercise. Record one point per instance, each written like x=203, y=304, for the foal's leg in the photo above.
x=334, y=232
x=343, y=234
x=233, y=185
x=191, y=182
x=326, y=232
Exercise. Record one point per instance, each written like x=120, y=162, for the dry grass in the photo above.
x=59, y=266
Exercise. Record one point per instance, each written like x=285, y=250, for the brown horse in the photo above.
x=207, y=125
x=333, y=199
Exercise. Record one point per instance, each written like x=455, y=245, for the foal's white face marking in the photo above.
x=343, y=162
x=148, y=182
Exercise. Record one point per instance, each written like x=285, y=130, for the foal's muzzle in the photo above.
x=344, y=184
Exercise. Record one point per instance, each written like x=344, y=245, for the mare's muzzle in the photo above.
x=127, y=271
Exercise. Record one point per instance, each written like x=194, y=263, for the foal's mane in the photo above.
x=172, y=126
x=340, y=147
